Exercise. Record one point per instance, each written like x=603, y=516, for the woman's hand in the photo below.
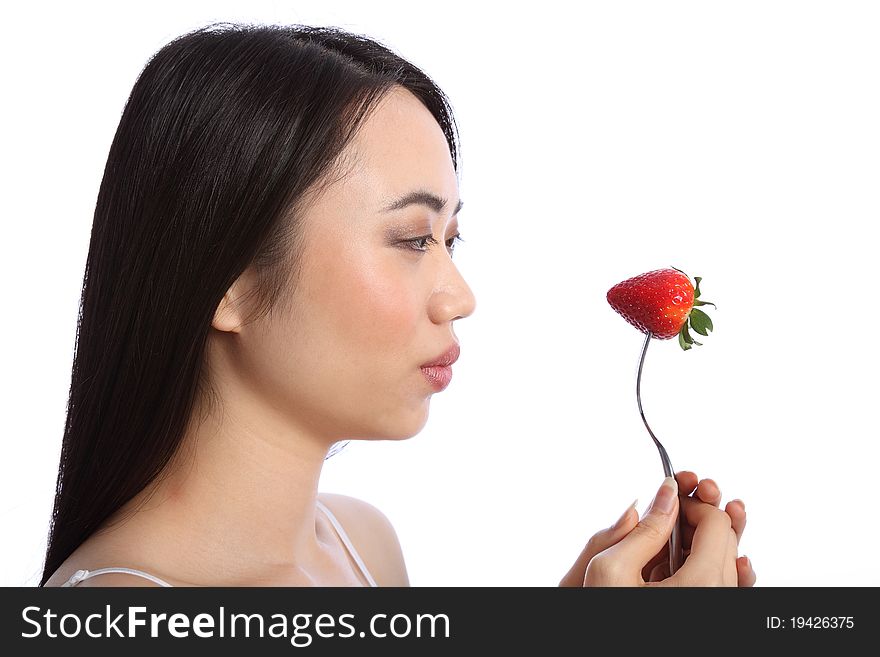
x=635, y=553
x=707, y=491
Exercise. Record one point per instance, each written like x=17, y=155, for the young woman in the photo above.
x=270, y=273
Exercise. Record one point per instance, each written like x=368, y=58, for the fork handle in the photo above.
x=676, y=554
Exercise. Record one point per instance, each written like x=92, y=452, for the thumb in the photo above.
x=653, y=531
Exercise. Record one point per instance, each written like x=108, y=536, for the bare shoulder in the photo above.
x=373, y=536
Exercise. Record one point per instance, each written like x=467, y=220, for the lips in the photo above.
x=445, y=359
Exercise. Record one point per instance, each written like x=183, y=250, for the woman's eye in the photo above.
x=429, y=239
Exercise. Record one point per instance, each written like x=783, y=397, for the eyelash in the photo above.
x=430, y=240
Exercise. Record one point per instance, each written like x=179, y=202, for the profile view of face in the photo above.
x=342, y=360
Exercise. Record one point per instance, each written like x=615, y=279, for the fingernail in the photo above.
x=624, y=514
x=664, y=501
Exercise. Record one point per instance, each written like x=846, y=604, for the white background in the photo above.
x=739, y=142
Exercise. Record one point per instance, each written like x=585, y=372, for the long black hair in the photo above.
x=225, y=131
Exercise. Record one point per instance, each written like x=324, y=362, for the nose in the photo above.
x=452, y=298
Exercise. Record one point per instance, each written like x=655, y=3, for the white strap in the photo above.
x=348, y=544
x=80, y=575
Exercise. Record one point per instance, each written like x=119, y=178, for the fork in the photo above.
x=676, y=555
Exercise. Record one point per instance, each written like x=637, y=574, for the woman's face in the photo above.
x=370, y=308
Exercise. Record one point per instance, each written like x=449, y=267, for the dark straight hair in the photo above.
x=227, y=132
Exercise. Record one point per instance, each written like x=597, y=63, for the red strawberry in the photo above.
x=662, y=302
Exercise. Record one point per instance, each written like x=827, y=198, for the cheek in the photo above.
x=370, y=303
x=381, y=310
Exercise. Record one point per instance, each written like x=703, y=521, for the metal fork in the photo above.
x=676, y=555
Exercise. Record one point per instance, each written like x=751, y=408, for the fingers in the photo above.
x=687, y=482
x=711, y=537
x=745, y=573
x=736, y=509
x=708, y=492
x=730, y=576
x=705, y=489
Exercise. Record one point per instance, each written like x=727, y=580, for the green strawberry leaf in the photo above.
x=684, y=345
x=684, y=333
x=697, y=288
x=705, y=303
x=700, y=321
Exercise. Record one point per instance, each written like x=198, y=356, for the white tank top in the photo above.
x=80, y=575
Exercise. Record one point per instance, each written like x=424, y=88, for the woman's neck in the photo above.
x=238, y=504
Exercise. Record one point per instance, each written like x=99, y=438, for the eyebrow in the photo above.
x=421, y=197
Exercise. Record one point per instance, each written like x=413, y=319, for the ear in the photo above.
x=228, y=316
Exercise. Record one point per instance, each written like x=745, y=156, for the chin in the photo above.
x=396, y=428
